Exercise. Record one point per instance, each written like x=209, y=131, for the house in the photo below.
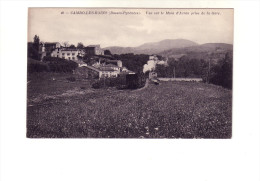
x=116, y=62
x=94, y=50
x=46, y=48
x=104, y=70
x=54, y=49
x=107, y=73
x=111, y=66
x=68, y=53
x=51, y=45
x=124, y=70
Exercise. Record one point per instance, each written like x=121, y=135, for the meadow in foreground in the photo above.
x=62, y=109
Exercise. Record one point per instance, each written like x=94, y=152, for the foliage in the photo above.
x=80, y=45
x=133, y=62
x=72, y=46
x=36, y=66
x=33, y=48
x=222, y=73
x=89, y=59
x=60, y=65
x=107, y=52
x=135, y=81
x=65, y=44
x=219, y=73
x=183, y=68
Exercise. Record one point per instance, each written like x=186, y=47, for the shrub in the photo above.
x=37, y=66
x=60, y=65
x=222, y=73
x=96, y=85
x=135, y=81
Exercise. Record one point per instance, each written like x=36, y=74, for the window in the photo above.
x=69, y=58
x=63, y=53
x=63, y=57
x=73, y=58
x=68, y=53
x=73, y=53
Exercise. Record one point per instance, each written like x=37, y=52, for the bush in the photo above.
x=135, y=81
x=222, y=73
x=96, y=85
x=37, y=66
x=109, y=82
x=60, y=65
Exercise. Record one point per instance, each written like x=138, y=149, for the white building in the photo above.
x=68, y=53
x=108, y=73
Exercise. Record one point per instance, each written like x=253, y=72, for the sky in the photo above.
x=129, y=27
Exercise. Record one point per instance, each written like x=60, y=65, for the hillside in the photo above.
x=217, y=50
x=153, y=47
x=119, y=50
x=208, y=47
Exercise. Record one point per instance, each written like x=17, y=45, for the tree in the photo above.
x=65, y=44
x=222, y=72
x=107, y=52
x=72, y=46
x=161, y=71
x=34, y=48
x=36, y=42
x=80, y=45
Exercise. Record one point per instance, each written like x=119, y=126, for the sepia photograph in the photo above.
x=129, y=90
x=129, y=73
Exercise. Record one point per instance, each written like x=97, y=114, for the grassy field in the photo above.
x=58, y=108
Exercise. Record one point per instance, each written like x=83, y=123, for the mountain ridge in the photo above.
x=152, y=47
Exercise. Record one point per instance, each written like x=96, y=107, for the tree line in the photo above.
x=219, y=73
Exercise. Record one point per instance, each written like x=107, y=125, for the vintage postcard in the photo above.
x=129, y=73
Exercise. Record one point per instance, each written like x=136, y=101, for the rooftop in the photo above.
x=109, y=65
x=49, y=43
x=106, y=69
x=93, y=46
x=70, y=49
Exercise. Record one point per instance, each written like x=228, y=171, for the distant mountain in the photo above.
x=204, y=48
x=167, y=44
x=153, y=47
x=120, y=50
x=213, y=51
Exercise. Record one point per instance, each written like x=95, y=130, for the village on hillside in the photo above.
x=92, y=61
x=108, y=68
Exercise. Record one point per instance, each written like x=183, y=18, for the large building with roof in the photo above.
x=68, y=53
x=104, y=70
x=94, y=50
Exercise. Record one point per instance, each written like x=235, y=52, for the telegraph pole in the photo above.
x=174, y=71
x=209, y=71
